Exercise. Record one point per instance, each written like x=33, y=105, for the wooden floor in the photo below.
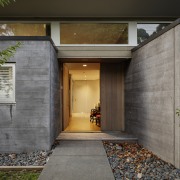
x=81, y=124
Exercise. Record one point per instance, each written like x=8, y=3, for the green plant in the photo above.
x=5, y=2
x=19, y=175
x=6, y=54
x=178, y=112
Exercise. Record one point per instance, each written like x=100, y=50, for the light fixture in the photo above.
x=84, y=65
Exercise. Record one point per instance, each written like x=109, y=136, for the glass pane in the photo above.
x=6, y=84
x=22, y=29
x=144, y=31
x=94, y=33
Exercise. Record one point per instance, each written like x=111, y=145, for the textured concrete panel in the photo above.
x=25, y=125
x=55, y=121
x=177, y=95
x=149, y=95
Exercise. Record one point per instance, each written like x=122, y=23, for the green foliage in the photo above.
x=6, y=54
x=5, y=2
x=178, y=112
x=161, y=27
x=142, y=35
x=21, y=175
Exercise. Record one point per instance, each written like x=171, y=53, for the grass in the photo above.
x=19, y=175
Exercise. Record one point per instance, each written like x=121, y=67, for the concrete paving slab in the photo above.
x=80, y=148
x=119, y=136
x=77, y=167
x=72, y=160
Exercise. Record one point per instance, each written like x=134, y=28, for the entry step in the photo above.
x=112, y=136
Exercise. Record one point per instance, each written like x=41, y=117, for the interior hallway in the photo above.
x=81, y=123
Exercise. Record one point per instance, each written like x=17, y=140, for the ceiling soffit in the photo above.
x=89, y=9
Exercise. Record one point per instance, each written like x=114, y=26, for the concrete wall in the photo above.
x=32, y=116
x=55, y=118
x=177, y=94
x=150, y=95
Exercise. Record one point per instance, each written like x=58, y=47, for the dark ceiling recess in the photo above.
x=91, y=9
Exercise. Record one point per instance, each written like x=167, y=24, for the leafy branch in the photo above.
x=5, y=2
x=178, y=112
x=6, y=54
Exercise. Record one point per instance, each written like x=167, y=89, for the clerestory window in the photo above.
x=145, y=30
x=94, y=33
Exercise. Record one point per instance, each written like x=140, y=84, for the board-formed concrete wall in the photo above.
x=150, y=95
x=55, y=118
x=29, y=124
x=177, y=95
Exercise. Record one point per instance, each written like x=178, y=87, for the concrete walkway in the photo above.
x=112, y=136
x=78, y=160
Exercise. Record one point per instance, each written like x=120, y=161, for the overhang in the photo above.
x=92, y=9
x=85, y=52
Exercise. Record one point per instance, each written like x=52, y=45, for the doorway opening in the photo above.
x=81, y=97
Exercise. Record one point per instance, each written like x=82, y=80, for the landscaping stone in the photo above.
x=132, y=161
x=36, y=158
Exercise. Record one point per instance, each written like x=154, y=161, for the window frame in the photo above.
x=151, y=22
x=12, y=100
x=98, y=22
x=47, y=31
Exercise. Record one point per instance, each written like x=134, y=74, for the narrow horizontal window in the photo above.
x=7, y=83
x=94, y=33
x=24, y=29
x=144, y=31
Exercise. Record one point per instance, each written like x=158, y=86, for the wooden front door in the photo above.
x=112, y=96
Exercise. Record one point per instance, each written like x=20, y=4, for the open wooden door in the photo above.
x=112, y=96
x=66, y=97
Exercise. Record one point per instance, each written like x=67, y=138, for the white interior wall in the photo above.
x=85, y=94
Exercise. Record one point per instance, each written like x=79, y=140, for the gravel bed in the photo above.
x=35, y=158
x=132, y=161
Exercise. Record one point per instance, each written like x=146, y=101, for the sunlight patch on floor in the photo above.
x=80, y=122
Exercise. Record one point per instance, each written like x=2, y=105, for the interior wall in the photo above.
x=71, y=94
x=86, y=93
x=66, y=97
